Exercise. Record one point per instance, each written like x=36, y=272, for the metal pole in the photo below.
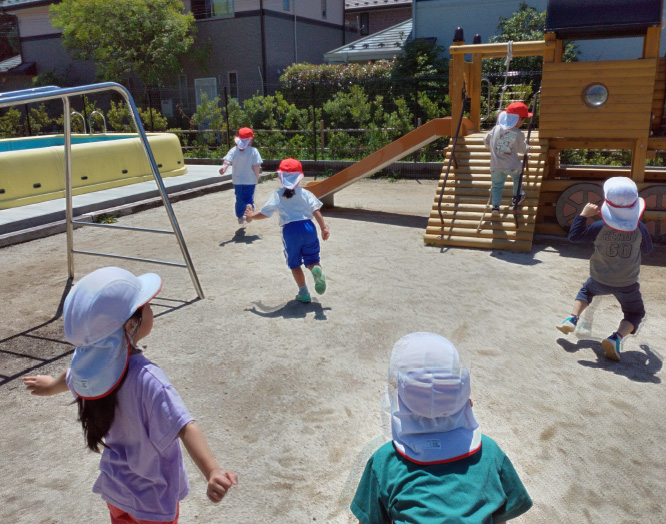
x=27, y=121
x=39, y=95
x=68, y=185
x=226, y=110
x=314, y=121
x=150, y=109
x=85, y=115
x=160, y=184
x=295, y=40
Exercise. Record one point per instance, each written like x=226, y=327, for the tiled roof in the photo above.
x=385, y=44
x=10, y=63
x=23, y=3
x=372, y=4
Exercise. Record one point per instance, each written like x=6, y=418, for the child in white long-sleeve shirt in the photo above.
x=506, y=142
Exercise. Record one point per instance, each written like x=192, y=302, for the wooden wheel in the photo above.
x=655, y=200
x=572, y=201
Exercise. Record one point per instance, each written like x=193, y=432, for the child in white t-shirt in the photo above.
x=296, y=207
x=245, y=174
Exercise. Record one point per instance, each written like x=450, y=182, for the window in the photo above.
x=595, y=95
x=202, y=9
x=233, y=84
x=323, y=9
x=286, y=6
x=183, y=98
x=207, y=86
x=364, y=23
x=9, y=37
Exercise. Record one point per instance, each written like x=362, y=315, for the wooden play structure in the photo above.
x=617, y=104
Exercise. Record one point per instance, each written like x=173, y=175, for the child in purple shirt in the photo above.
x=126, y=404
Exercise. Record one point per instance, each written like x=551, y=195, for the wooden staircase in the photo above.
x=466, y=194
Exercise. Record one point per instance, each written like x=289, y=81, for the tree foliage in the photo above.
x=421, y=58
x=144, y=37
x=525, y=24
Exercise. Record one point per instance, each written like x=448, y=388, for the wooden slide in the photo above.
x=403, y=146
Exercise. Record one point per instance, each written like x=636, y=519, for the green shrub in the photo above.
x=119, y=118
x=10, y=123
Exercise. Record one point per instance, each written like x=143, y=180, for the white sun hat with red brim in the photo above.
x=290, y=172
x=622, y=207
x=94, y=314
x=431, y=419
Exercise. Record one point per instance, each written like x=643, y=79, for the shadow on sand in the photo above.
x=379, y=217
x=240, y=237
x=34, y=348
x=639, y=366
x=292, y=309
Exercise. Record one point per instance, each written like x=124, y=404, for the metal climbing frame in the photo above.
x=42, y=94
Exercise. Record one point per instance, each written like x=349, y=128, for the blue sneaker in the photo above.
x=612, y=346
x=568, y=325
x=320, y=281
x=304, y=297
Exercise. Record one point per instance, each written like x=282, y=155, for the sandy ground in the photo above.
x=289, y=394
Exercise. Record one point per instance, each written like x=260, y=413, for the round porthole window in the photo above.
x=595, y=95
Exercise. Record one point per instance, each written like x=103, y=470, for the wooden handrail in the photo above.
x=528, y=48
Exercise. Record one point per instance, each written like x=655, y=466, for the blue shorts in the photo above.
x=629, y=297
x=301, y=244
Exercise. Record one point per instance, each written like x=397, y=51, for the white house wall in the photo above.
x=35, y=22
x=440, y=18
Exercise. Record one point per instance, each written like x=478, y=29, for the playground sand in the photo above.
x=289, y=394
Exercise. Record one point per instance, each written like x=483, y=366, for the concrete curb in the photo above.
x=55, y=223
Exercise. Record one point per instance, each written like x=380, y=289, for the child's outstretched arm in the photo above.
x=251, y=215
x=224, y=167
x=219, y=480
x=325, y=233
x=46, y=385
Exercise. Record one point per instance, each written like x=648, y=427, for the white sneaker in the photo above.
x=241, y=220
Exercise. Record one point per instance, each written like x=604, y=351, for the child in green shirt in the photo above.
x=438, y=466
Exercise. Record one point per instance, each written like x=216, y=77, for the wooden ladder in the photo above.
x=466, y=195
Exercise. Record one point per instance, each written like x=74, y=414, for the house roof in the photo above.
x=10, y=63
x=383, y=45
x=19, y=4
x=354, y=5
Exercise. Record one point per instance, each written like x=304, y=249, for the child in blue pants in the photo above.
x=296, y=207
x=618, y=240
x=246, y=162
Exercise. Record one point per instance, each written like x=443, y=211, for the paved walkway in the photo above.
x=20, y=224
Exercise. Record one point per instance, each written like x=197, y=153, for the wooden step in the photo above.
x=482, y=243
x=467, y=218
x=483, y=233
x=502, y=223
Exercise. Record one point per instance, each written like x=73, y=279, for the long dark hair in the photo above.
x=288, y=193
x=96, y=416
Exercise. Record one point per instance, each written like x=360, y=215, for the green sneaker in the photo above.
x=320, y=281
x=304, y=297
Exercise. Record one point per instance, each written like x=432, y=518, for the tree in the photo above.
x=145, y=37
x=525, y=24
x=421, y=58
